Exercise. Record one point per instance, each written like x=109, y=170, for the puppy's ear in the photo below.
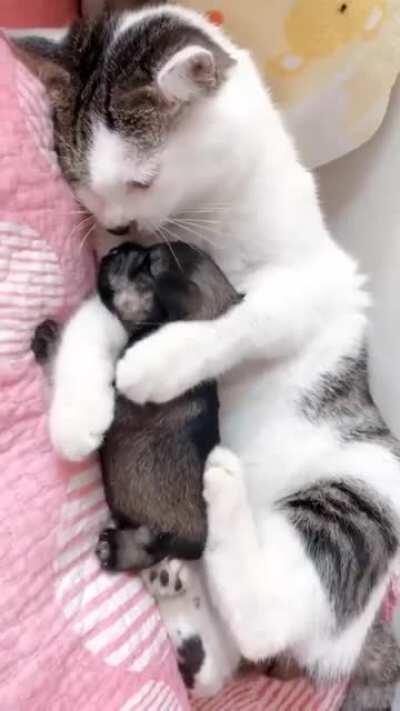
x=44, y=59
x=178, y=297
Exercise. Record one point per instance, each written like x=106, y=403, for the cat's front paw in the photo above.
x=164, y=365
x=79, y=420
x=223, y=480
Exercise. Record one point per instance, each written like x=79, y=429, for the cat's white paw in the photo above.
x=224, y=490
x=225, y=459
x=162, y=366
x=80, y=419
x=223, y=480
x=201, y=672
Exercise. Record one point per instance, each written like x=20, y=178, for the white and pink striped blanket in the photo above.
x=71, y=637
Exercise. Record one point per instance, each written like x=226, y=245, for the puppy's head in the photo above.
x=146, y=287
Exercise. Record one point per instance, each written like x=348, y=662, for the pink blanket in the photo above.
x=71, y=637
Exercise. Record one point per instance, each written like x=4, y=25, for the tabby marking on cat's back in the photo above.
x=343, y=397
x=350, y=536
x=350, y=533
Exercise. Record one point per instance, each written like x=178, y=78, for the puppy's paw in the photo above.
x=44, y=341
x=107, y=549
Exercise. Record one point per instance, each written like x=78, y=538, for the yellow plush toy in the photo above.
x=330, y=63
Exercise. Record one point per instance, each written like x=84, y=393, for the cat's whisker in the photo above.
x=83, y=221
x=82, y=225
x=199, y=220
x=213, y=229
x=211, y=213
x=199, y=234
x=183, y=220
x=187, y=229
x=86, y=237
x=167, y=242
x=179, y=238
x=76, y=228
x=208, y=208
x=208, y=233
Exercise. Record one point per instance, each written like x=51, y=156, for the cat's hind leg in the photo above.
x=312, y=576
x=255, y=595
x=207, y=656
x=168, y=578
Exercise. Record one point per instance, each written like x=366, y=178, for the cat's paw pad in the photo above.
x=106, y=549
x=78, y=424
x=167, y=579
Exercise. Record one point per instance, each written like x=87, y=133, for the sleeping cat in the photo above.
x=153, y=456
x=162, y=121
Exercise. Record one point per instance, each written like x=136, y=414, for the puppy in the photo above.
x=153, y=456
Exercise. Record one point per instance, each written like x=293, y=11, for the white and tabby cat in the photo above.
x=161, y=120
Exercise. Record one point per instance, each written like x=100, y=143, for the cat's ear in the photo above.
x=43, y=59
x=193, y=71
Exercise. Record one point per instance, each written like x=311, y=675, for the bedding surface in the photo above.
x=71, y=637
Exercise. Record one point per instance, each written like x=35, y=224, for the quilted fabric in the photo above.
x=258, y=693
x=71, y=637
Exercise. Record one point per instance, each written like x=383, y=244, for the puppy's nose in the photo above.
x=119, y=231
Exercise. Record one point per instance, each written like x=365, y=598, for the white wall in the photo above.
x=361, y=198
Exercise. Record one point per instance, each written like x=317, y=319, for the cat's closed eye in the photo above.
x=139, y=185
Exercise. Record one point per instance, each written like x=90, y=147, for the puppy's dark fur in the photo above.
x=153, y=457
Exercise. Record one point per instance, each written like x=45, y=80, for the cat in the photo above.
x=153, y=456
x=160, y=120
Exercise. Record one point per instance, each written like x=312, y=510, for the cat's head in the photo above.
x=136, y=109
x=153, y=285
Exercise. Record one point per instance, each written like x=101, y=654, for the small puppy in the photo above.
x=153, y=456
